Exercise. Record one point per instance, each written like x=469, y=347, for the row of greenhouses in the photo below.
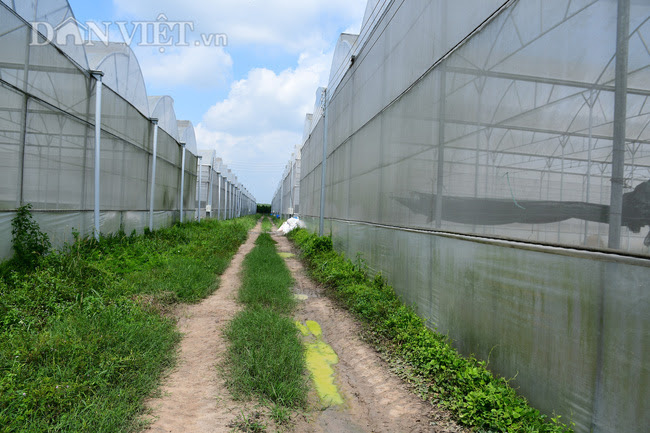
x=492, y=160
x=83, y=143
x=286, y=200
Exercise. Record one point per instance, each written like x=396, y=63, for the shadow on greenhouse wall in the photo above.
x=485, y=211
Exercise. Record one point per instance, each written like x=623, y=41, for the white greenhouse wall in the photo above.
x=47, y=141
x=470, y=162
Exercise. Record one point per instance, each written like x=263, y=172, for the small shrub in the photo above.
x=29, y=243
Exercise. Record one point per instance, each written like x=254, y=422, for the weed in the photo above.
x=265, y=357
x=248, y=423
x=29, y=243
x=280, y=414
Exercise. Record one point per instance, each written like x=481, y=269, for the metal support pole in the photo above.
x=441, y=126
x=441, y=148
x=237, y=202
x=182, y=180
x=154, y=158
x=219, y=196
x=198, y=210
x=211, y=186
x=225, y=200
x=282, y=196
x=291, y=185
x=591, y=102
x=321, y=223
x=98, y=153
x=620, y=114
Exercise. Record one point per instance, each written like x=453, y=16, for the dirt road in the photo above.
x=376, y=400
x=194, y=398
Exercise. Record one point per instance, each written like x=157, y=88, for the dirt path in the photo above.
x=194, y=396
x=376, y=400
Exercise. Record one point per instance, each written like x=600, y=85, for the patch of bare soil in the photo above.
x=376, y=400
x=194, y=396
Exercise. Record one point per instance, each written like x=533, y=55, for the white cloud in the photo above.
x=258, y=160
x=198, y=67
x=257, y=127
x=266, y=101
x=293, y=26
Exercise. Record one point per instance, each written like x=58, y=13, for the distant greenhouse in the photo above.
x=53, y=94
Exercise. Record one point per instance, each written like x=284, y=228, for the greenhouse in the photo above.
x=492, y=160
x=221, y=196
x=83, y=142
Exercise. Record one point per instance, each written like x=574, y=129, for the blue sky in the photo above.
x=247, y=99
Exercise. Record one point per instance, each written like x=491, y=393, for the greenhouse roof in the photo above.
x=59, y=16
x=342, y=59
x=121, y=70
x=186, y=133
x=162, y=108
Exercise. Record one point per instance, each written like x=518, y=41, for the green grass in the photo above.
x=266, y=225
x=266, y=281
x=266, y=356
x=464, y=385
x=82, y=338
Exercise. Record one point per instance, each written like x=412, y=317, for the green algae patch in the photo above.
x=286, y=255
x=320, y=358
x=302, y=328
x=314, y=328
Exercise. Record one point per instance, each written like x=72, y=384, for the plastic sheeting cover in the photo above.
x=291, y=224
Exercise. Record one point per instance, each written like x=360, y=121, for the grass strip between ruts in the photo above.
x=266, y=225
x=266, y=357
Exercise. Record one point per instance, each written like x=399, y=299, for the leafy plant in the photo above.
x=249, y=423
x=28, y=242
x=280, y=414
